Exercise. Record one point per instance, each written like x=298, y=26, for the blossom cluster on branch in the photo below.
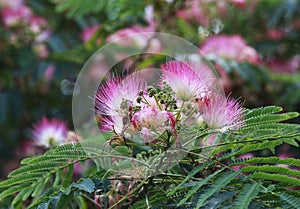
x=185, y=94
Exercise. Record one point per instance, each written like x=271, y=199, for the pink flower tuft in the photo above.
x=187, y=83
x=38, y=26
x=49, y=132
x=41, y=50
x=230, y=47
x=11, y=3
x=14, y=16
x=114, y=99
x=152, y=122
x=198, y=11
x=239, y=3
x=221, y=113
x=49, y=73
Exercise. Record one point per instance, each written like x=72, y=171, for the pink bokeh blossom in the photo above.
x=41, y=50
x=151, y=122
x=49, y=132
x=49, y=73
x=229, y=47
x=11, y=3
x=198, y=11
x=13, y=16
x=22, y=24
x=239, y=3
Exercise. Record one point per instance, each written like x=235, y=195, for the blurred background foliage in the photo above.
x=45, y=43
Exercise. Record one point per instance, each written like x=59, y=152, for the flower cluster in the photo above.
x=129, y=108
x=229, y=47
x=49, y=132
x=23, y=25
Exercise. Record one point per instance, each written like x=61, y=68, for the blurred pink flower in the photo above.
x=275, y=34
x=239, y=3
x=151, y=122
x=114, y=99
x=15, y=16
x=139, y=37
x=39, y=27
x=187, y=83
x=11, y=3
x=221, y=113
x=41, y=50
x=194, y=12
x=229, y=47
x=49, y=132
x=290, y=67
x=198, y=11
x=88, y=33
x=49, y=73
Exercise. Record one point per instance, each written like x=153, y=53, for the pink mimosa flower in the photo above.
x=152, y=122
x=39, y=27
x=14, y=16
x=239, y=3
x=114, y=99
x=193, y=11
x=198, y=11
x=49, y=73
x=49, y=132
x=137, y=36
x=229, y=47
x=187, y=83
x=221, y=113
x=275, y=34
x=41, y=50
x=11, y=3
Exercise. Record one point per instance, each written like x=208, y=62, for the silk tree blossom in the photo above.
x=11, y=3
x=38, y=26
x=22, y=24
x=13, y=16
x=114, y=100
x=151, y=122
x=187, y=84
x=229, y=47
x=221, y=113
x=48, y=133
x=198, y=11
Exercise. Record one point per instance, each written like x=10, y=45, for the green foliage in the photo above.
x=114, y=9
x=211, y=183
x=205, y=178
x=247, y=194
x=56, y=166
